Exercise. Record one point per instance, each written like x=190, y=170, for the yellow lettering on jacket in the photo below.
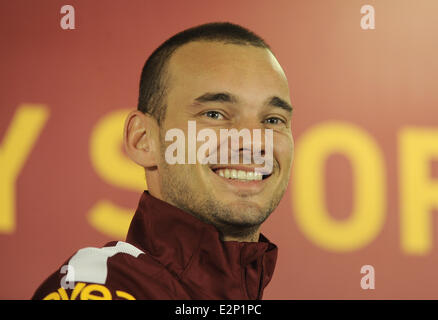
x=87, y=292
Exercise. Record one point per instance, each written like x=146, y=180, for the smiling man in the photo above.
x=196, y=232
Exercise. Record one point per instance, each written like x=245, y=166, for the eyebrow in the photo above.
x=278, y=102
x=217, y=97
x=228, y=97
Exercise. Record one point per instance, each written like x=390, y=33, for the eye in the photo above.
x=214, y=115
x=274, y=120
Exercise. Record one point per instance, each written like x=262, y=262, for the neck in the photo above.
x=250, y=234
x=227, y=233
x=253, y=238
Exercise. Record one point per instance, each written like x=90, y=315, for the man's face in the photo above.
x=252, y=77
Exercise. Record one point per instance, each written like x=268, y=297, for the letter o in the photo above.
x=367, y=217
x=87, y=292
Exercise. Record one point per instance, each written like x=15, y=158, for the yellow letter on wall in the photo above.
x=418, y=192
x=17, y=143
x=369, y=204
x=116, y=169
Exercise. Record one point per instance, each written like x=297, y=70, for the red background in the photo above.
x=379, y=80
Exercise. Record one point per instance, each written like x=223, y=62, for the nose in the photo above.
x=257, y=132
x=245, y=142
x=260, y=149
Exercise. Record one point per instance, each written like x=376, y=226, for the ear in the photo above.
x=139, y=138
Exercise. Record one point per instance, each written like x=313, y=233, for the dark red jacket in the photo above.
x=168, y=254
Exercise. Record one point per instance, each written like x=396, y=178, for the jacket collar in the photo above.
x=192, y=250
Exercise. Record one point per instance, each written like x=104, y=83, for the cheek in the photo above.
x=283, y=148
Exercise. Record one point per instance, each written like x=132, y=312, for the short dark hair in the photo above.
x=152, y=93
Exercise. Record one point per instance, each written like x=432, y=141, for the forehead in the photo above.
x=210, y=65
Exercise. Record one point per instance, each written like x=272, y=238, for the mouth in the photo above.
x=240, y=173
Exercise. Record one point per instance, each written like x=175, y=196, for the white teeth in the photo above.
x=239, y=174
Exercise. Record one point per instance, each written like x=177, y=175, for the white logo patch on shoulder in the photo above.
x=90, y=264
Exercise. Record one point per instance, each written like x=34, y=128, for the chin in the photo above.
x=243, y=213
